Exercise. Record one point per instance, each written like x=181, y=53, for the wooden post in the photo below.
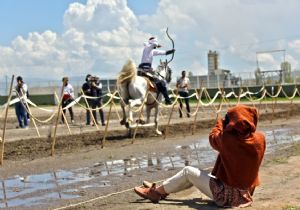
x=289, y=110
x=290, y=105
x=197, y=107
x=199, y=94
x=169, y=120
x=239, y=97
x=107, y=123
x=90, y=110
x=114, y=104
x=220, y=104
x=5, y=119
x=4, y=194
x=57, y=118
x=30, y=113
x=63, y=114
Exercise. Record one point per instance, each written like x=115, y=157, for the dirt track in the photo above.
x=24, y=144
x=122, y=165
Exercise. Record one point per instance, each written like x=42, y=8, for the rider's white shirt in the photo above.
x=149, y=52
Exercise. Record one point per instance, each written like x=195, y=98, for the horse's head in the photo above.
x=164, y=71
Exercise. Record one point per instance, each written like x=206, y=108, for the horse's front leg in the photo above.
x=148, y=111
x=123, y=121
x=158, y=132
x=130, y=115
x=135, y=102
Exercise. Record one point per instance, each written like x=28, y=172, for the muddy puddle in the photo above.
x=46, y=188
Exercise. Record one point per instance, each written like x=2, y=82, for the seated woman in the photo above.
x=235, y=174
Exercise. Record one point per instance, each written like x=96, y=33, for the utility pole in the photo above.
x=6, y=84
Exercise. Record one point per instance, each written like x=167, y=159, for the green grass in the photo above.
x=289, y=207
x=282, y=155
x=234, y=100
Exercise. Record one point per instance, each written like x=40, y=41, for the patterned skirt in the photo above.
x=226, y=196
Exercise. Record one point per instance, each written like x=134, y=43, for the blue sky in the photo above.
x=21, y=17
x=75, y=37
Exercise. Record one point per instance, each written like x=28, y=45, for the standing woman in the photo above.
x=68, y=97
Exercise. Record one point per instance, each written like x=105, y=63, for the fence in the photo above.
x=231, y=80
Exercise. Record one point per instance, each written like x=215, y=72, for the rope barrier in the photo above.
x=30, y=114
x=108, y=195
x=210, y=101
x=206, y=102
x=98, y=198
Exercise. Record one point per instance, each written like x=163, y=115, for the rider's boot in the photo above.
x=164, y=91
x=161, y=87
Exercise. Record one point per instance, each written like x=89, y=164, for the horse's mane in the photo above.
x=127, y=73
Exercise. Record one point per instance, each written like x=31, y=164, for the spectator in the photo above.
x=235, y=175
x=183, y=90
x=68, y=97
x=99, y=101
x=20, y=107
x=89, y=88
x=28, y=115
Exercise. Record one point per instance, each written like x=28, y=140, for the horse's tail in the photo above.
x=128, y=72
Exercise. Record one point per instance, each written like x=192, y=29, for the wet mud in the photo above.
x=81, y=170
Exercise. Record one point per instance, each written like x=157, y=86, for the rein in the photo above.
x=155, y=100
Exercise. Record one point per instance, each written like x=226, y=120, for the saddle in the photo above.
x=150, y=85
x=149, y=76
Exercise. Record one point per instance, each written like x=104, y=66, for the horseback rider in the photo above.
x=145, y=68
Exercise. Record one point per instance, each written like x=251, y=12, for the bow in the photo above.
x=167, y=32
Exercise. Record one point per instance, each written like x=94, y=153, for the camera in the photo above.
x=93, y=80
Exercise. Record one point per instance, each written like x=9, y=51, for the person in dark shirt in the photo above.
x=99, y=101
x=93, y=89
x=89, y=90
x=20, y=107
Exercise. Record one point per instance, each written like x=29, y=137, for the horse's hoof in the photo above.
x=140, y=121
x=122, y=122
x=158, y=132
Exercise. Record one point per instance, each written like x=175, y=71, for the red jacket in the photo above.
x=241, y=148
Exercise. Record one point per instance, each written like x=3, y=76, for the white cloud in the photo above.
x=295, y=45
x=198, y=68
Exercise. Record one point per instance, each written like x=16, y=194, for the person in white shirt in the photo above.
x=20, y=107
x=150, y=50
x=67, y=98
x=182, y=85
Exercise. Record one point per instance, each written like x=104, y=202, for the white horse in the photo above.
x=133, y=89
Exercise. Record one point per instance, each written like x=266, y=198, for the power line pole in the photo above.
x=6, y=84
